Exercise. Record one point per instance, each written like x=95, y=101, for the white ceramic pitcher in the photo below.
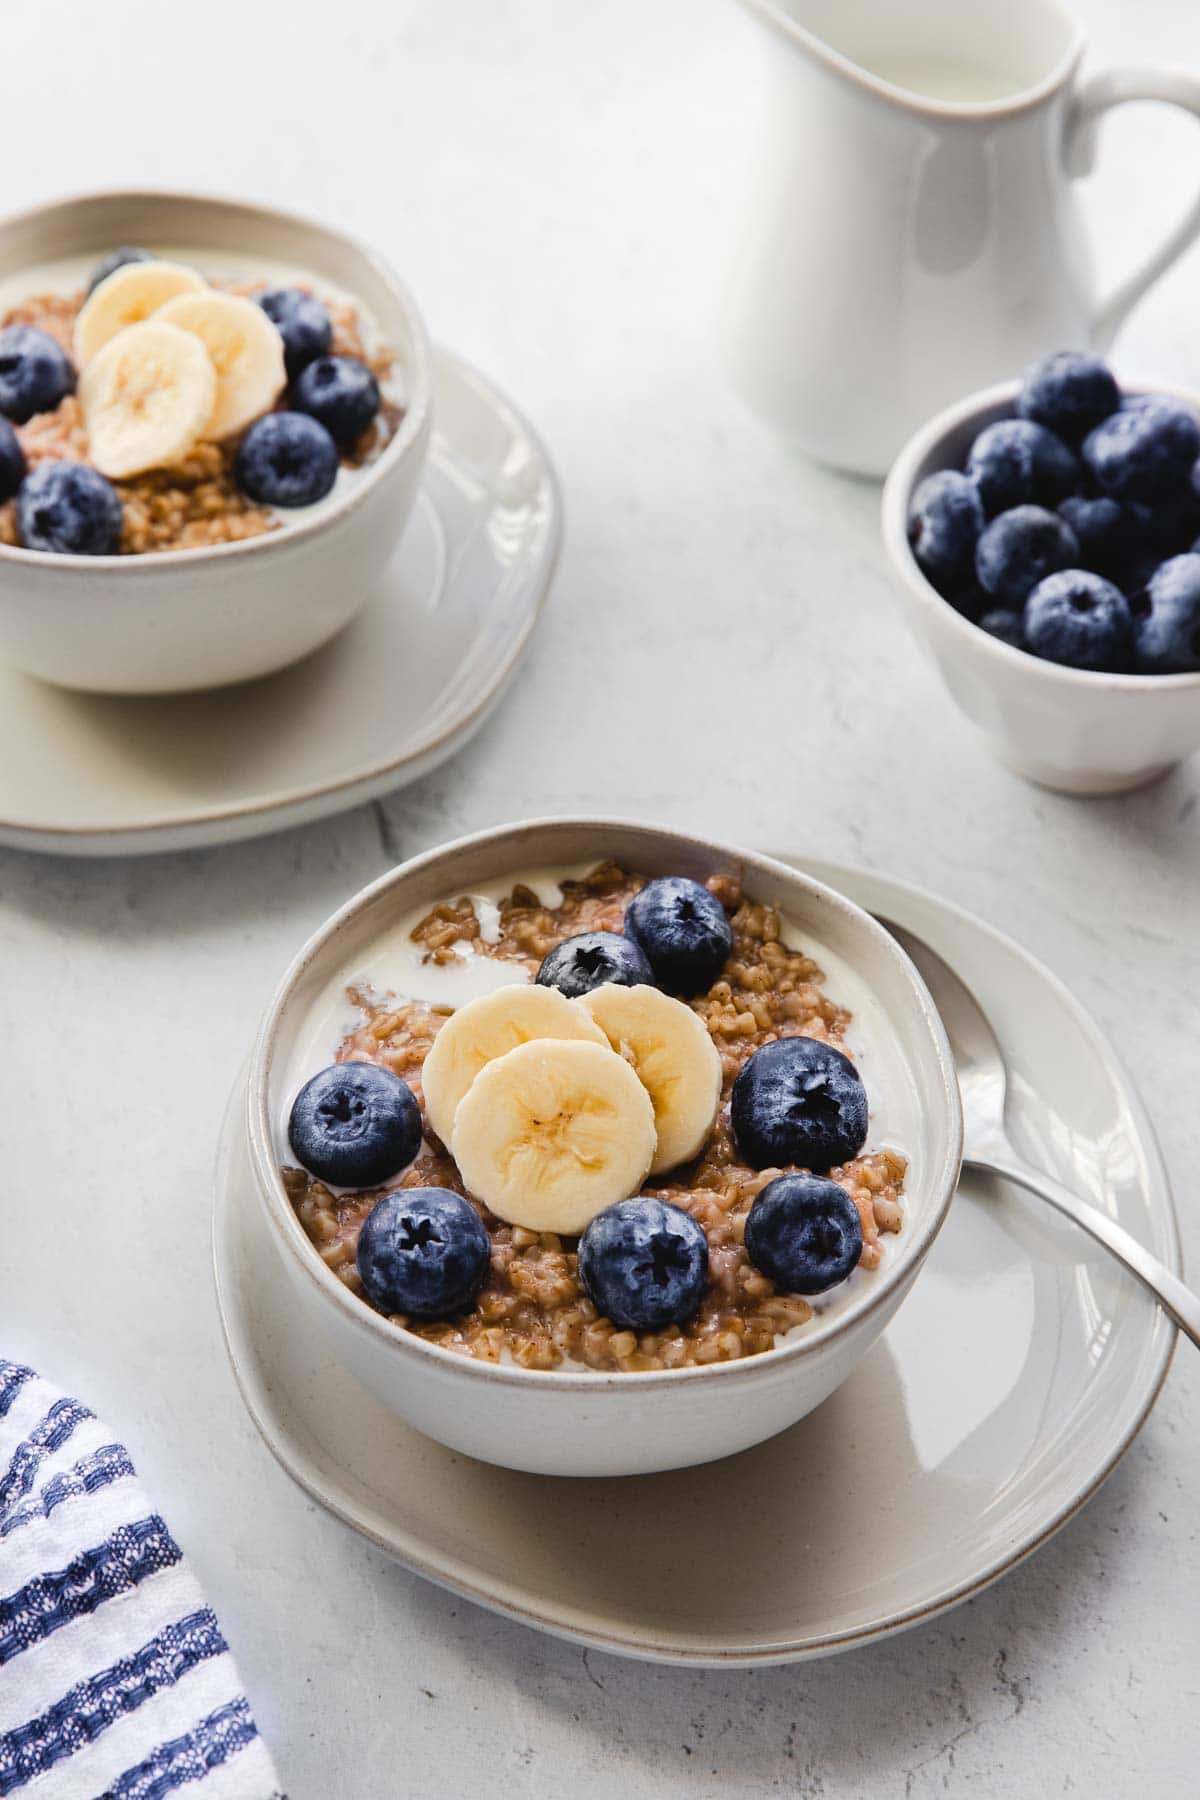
x=916, y=234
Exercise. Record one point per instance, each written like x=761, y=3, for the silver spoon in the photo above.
x=983, y=1080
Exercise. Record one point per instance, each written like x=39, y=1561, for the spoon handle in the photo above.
x=1176, y=1300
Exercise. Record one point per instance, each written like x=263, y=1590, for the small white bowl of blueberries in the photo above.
x=1046, y=537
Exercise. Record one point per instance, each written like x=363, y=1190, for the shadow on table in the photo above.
x=1154, y=820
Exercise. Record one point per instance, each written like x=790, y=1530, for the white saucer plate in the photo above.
x=395, y=694
x=1005, y=1391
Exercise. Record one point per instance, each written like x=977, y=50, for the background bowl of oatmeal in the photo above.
x=587, y=1421
x=168, y=620
x=1076, y=730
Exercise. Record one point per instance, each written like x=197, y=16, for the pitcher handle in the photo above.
x=1113, y=88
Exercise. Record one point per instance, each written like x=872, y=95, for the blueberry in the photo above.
x=1020, y=548
x=683, y=930
x=798, y=1101
x=805, y=1233
x=1166, y=622
x=1109, y=535
x=355, y=1125
x=1016, y=463
x=970, y=601
x=68, y=508
x=944, y=523
x=1168, y=528
x=12, y=461
x=1006, y=624
x=286, y=459
x=1069, y=393
x=423, y=1251
x=116, y=259
x=341, y=392
x=1078, y=618
x=582, y=963
x=35, y=372
x=1145, y=452
x=303, y=324
x=644, y=1264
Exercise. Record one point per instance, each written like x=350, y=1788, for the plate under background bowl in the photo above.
x=395, y=694
x=1007, y=1388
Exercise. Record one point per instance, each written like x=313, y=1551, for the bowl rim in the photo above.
x=411, y=434
x=898, y=490
x=290, y=1237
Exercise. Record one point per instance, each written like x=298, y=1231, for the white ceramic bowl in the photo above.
x=168, y=621
x=1071, y=729
x=591, y=1423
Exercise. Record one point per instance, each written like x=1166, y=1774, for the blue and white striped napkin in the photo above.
x=115, y=1680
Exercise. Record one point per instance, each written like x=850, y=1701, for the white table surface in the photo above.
x=723, y=651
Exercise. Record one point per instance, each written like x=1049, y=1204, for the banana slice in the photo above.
x=146, y=398
x=126, y=297
x=486, y=1028
x=552, y=1133
x=674, y=1058
x=246, y=351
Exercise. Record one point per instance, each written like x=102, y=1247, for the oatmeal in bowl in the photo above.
x=125, y=439
x=598, y=1149
x=213, y=420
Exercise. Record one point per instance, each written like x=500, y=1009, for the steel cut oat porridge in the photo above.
x=183, y=400
x=554, y=1113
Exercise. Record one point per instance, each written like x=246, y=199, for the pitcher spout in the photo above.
x=930, y=54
